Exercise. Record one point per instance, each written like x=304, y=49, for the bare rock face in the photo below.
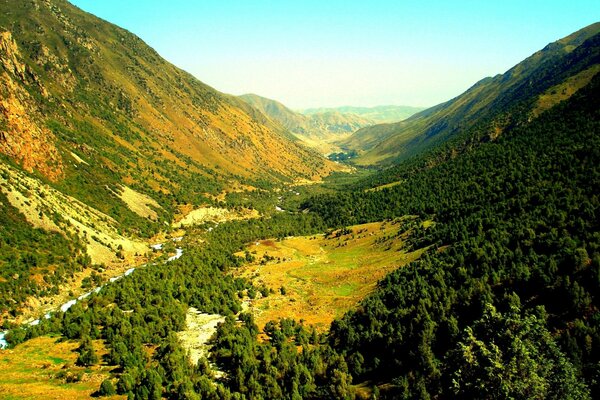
x=9, y=53
x=22, y=137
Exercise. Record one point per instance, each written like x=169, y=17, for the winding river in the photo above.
x=72, y=302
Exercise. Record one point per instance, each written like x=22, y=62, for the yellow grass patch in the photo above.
x=564, y=90
x=139, y=203
x=323, y=277
x=212, y=214
x=40, y=367
x=381, y=187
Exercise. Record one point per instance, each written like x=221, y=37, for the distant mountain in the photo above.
x=379, y=114
x=492, y=104
x=319, y=130
x=276, y=111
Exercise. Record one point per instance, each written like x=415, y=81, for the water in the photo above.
x=68, y=305
x=71, y=303
x=178, y=253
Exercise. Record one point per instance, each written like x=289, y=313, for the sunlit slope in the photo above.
x=492, y=104
x=73, y=82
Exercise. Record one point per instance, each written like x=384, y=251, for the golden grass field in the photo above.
x=381, y=187
x=41, y=367
x=323, y=277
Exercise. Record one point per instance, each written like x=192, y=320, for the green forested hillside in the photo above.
x=493, y=104
x=515, y=244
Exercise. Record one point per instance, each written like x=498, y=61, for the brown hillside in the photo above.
x=66, y=75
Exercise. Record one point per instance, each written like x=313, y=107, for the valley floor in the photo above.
x=318, y=278
x=44, y=368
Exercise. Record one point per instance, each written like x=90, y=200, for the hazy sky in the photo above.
x=330, y=53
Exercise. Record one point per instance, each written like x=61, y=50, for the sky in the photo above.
x=320, y=53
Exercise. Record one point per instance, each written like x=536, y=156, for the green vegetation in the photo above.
x=502, y=305
x=500, y=301
x=45, y=367
x=33, y=262
x=343, y=156
x=516, y=224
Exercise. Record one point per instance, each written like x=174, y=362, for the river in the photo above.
x=72, y=302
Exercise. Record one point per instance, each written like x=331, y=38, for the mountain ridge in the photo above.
x=485, y=104
x=130, y=82
x=379, y=114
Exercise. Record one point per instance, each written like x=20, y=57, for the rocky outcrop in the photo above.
x=22, y=136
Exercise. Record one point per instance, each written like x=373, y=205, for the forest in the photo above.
x=504, y=304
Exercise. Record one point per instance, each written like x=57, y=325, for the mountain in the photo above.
x=511, y=274
x=103, y=142
x=74, y=83
x=493, y=253
x=319, y=130
x=379, y=114
x=491, y=105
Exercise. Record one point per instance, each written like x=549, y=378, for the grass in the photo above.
x=38, y=369
x=564, y=90
x=381, y=187
x=323, y=277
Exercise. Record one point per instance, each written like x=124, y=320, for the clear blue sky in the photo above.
x=330, y=53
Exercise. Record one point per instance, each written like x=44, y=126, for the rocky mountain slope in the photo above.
x=491, y=105
x=72, y=82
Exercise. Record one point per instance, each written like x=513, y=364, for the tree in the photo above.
x=107, y=388
x=511, y=356
x=87, y=354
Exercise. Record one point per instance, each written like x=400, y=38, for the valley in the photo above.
x=318, y=278
x=161, y=239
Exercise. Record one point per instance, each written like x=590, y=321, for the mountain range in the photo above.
x=378, y=114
